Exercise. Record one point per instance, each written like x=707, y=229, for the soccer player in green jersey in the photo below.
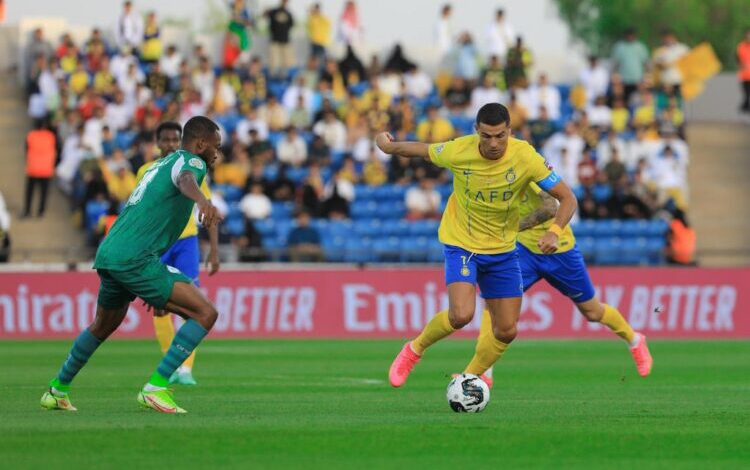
x=129, y=266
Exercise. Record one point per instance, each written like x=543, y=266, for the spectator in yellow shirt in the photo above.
x=79, y=80
x=435, y=128
x=620, y=116
x=645, y=115
x=375, y=173
x=319, y=31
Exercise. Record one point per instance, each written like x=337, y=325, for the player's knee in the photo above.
x=460, y=316
x=106, y=322
x=505, y=333
x=207, y=316
x=592, y=313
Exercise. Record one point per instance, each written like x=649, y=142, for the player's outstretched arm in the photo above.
x=568, y=207
x=209, y=215
x=385, y=142
x=541, y=215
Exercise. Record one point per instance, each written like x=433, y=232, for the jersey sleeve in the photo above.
x=441, y=153
x=189, y=163
x=541, y=173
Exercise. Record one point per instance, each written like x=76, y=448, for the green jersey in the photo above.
x=154, y=216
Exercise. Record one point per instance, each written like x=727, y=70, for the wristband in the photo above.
x=554, y=228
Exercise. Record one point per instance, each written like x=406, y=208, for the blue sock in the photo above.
x=83, y=347
x=187, y=338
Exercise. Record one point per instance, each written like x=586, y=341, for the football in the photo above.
x=468, y=393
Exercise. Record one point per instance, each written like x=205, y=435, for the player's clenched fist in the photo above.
x=208, y=214
x=384, y=142
x=548, y=243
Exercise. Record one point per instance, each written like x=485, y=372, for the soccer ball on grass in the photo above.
x=467, y=393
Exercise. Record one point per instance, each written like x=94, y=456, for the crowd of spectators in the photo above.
x=300, y=132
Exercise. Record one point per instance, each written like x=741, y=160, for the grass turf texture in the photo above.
x=327, y=404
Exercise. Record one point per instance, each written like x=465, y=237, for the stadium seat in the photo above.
x=585, y=228
x=415, y=249
x=601, y=193
x=607, y=228
x=94, y=211
x=587, y=247
x=364, y=209
x=634, y=252
x=364, y=192
x=235, y=227
x=282, y=210
x=435, y=251
x=266, y=228
x=396, y=228
x=368, y=228
x=232, y=193
x=341, y=228
x=358, y=250
x=334, y=248
x=607, y=251
x=387, y=249
x=657, y=228
x=424, y=228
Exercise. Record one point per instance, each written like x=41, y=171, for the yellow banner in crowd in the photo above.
x=699, y=65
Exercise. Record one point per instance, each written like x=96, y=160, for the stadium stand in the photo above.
x=305, y=135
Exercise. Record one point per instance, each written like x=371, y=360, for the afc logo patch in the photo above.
x=510, y=176
x=439, y=149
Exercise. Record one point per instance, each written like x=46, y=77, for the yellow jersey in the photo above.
x=482, y=214
x=191, y=229
x=531, y=201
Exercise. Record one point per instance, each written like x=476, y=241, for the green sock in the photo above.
x=185, y=341
x=59, y=386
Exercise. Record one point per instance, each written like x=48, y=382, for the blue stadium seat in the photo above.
x=607, y=228
x=657, y=228
x=274, y=138
x=634, y=252
x=271, y=172
x=602, y=193
x=364, y=192
x=391, y=210
x=235, y=227
x=232, y=193
x=607, y=251
x=358, y=250
x=396, y=228
x=587, y=247
x=125, y=140
x=585, y=228
x=364, y=209
x=282, y=210
x=266, y=228
x=579, y=191
x=334, y=248
x=341, y=228
x=634, y=228
x=435, y=251
x=655, y=247
x=424, y=228
x=298, y=175
x=369, y=228
x=445, y=191
x=387, y=249
x=415, y=249
x=283, y=227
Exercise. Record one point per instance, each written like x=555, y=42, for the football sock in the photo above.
x=489, y=349
x=184, y=343
x=438, y=328
x=614, y=320
x=83, y=347
x=164, y=328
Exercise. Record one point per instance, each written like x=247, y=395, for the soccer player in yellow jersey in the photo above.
x=183, y=255
x=566, y=271
x=491, y=171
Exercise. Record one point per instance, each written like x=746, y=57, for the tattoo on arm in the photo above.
x=541, y=215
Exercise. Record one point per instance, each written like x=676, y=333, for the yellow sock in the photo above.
x=614, y=320
x=164, y=329
x=438, y=328
x=488, y=351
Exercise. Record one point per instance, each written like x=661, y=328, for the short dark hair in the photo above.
x=168, y=126
x=493, y=114
x=198, y=127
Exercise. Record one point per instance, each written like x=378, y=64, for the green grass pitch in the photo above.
x=326, y=404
